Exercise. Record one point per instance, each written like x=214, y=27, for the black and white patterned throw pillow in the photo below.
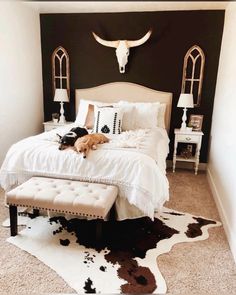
x=108, y=120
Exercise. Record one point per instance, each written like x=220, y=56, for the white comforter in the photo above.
x=134, y=161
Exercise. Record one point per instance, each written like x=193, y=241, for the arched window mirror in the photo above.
x=193, y=70
x=60, y=69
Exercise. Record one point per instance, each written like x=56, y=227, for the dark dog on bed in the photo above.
x=70, y=138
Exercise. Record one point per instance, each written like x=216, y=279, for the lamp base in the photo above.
x=62, y=120
x=183, y=126
x=184, y=117
x=62, y=117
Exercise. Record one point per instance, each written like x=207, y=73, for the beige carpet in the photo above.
x=205, y=267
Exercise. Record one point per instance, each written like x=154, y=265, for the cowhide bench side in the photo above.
x=91, y=200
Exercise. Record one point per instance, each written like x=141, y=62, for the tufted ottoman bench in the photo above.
x=91, y=200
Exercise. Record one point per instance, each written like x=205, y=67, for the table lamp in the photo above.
x=61, y=95
x=185, y=101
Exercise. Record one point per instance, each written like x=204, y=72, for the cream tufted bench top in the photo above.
x=68, y=196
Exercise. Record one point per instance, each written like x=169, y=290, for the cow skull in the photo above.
x=122, y=47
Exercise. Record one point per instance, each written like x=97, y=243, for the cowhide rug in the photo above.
x=126, y=262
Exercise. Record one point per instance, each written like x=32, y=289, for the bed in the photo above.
x=137, y=170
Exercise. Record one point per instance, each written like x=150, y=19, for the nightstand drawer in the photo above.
x=49, y=127
x=188, y=138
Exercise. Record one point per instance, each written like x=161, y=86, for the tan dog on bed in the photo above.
x=90, y=141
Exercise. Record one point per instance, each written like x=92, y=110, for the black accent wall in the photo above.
x=156, y=64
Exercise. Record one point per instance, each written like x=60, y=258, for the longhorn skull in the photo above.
x=122, y=47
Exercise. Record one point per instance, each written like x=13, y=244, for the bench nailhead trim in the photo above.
x=59, y=211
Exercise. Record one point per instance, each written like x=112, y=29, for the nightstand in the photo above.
x=188, y=137
x=50, y=125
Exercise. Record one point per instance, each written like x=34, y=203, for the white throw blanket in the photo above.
x=134, y=161
x=131, y=139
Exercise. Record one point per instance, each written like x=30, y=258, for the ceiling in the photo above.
x=123, y=6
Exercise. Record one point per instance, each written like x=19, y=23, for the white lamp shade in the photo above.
x=185, y=100
x=61, y=95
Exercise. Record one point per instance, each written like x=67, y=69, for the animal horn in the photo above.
x=134, y=43
x=113, y=44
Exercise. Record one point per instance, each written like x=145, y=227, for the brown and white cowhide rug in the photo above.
x=127, y=260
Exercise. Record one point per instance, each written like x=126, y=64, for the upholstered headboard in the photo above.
x=114, y=92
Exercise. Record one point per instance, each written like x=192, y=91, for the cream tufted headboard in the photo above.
x=116, y=91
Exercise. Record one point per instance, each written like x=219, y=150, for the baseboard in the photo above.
x=186, y=165
x=229, y=233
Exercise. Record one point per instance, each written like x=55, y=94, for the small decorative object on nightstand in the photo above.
x=61, y=95
x=188, y=137
x=185, y=101
x=50, y=125
x=55, y=117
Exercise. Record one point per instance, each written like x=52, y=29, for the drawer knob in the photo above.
x=188, y=138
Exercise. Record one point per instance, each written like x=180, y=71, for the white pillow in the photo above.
x=128, y=121
x=161, y=116
x=145, y=114
x=108, y=120
x=84, y=108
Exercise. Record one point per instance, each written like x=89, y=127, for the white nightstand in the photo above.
x=52, y=125
x=188, y=137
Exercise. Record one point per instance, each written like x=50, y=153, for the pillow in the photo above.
x=128, y=121
x=145, y=114
x=89, y=121
x=108, y=120
x=85, y=115
x=82, y=113
x=161, y=116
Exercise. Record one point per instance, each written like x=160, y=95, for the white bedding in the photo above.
x=135, y=161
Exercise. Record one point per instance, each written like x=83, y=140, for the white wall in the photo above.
x=222, y=162
x=21, y=98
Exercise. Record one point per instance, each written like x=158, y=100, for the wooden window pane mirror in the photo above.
x=60, y=69
x=193, y=69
